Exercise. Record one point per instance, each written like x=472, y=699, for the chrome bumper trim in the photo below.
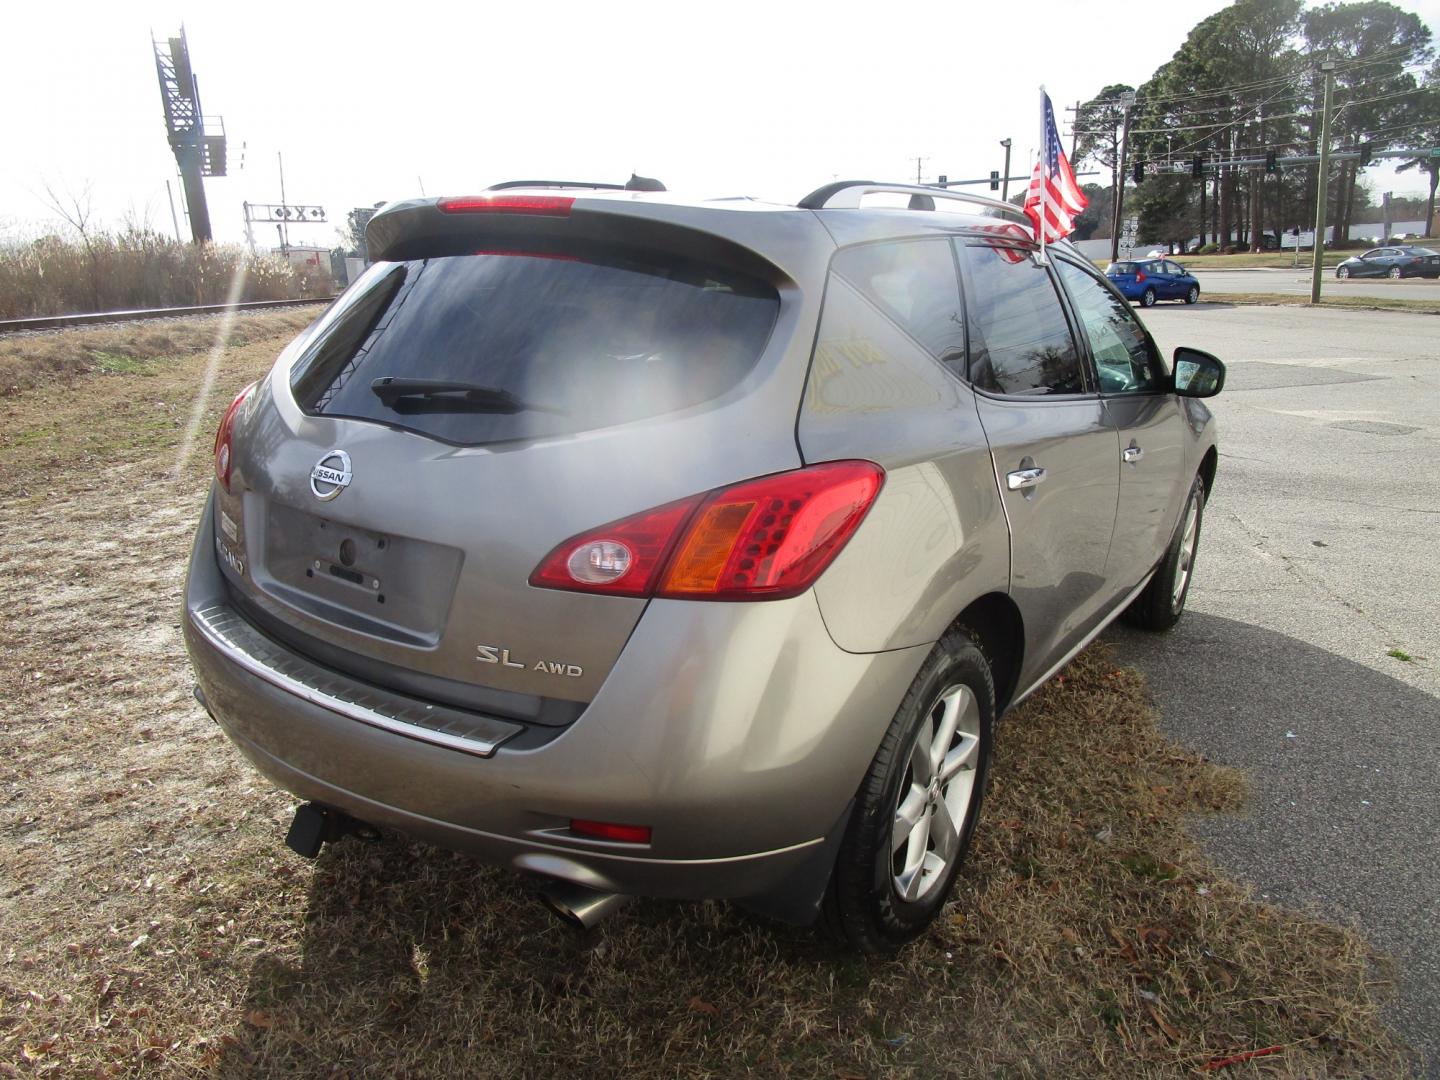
x=246, y=647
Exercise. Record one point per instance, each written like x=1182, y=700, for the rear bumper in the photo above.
x=738, y=732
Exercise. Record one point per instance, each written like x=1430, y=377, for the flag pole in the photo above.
x=1041, y=163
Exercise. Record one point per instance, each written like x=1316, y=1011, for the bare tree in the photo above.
x=77, y=212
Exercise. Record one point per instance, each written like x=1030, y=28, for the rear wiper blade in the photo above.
x=472, y=396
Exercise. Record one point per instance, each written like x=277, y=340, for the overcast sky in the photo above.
x=371, y=102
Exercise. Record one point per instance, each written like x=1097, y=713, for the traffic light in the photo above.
x=994, y=180
x=944, y=179
x=1366, y=153
x=1139, y=172
x=1270, y=165
x=1197, y=166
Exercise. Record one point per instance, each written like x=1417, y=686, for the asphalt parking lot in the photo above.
x=1317, y=575
x=1290, y=282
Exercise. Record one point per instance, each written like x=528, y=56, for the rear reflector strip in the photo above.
x=606, y=830
x=544, y=205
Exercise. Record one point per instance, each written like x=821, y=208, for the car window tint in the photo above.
x=1172, y=268
x=568, y=343
x=1020, y=341
x=1123, y=268
x=914, y=284
x=1123, y=358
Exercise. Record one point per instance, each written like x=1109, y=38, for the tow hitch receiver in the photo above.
x=314, y=826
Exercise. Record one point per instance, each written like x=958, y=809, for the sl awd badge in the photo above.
x=331, y=475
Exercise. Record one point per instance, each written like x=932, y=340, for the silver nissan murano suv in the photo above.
x=689, y=548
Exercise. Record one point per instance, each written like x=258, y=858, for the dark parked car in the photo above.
x=1152, y=280
x=1396, y=261
x=689, y=548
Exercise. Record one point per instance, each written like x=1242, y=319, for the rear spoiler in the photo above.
x=567, y=222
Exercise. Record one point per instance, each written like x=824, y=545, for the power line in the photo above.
x=1263, y=84
x=1220, y=123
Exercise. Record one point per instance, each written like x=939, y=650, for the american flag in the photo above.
x=1054, y=197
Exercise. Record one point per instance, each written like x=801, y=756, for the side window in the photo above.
x=1123, y=358
x=1020, y=341
x=1172, y=268
x=913, y=283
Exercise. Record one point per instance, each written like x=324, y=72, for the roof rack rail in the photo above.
x=554, y=184
x=846, y=195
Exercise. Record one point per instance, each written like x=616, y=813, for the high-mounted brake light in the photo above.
x=224, y=435
x=764, y=539
x=1139, y=275
x=545, y=205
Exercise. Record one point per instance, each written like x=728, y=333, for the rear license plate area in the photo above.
x=337, y=569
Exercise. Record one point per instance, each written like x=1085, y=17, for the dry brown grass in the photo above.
x=28, y=360
x=120, y=270
x=152, y=922
x=1353, y=303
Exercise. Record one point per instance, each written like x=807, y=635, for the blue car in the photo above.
x=1150, y=280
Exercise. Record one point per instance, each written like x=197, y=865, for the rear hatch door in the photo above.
x=468, y=406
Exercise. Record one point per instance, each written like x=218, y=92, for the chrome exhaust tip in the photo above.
x=579, y=907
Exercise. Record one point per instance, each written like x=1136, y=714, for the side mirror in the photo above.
x=1198, y=374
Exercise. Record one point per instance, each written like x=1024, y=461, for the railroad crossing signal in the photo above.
x=284, y=212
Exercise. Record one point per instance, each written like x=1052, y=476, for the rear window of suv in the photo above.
x=496, y=346
x=1123, y=268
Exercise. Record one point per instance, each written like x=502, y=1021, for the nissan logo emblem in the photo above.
x=331, y=475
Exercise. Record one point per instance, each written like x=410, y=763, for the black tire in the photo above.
x=1342, y=273
x=1159, y=606
x=864, y=910
x=1193, y=295
x=1147, y=299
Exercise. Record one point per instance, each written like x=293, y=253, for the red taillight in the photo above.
x=606, y=830
x=1139, y=275
x=762, y=539
x=549, y=205
x=623, y=558
x=223, y=439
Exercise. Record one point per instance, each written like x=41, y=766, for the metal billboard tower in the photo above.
x=198, y=152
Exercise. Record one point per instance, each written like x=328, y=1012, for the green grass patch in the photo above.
x=1401, y=654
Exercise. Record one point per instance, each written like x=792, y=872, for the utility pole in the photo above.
x=174, y=220
x=284, y=235
x=1322, y=181
x=1074, y=133
x=1005, y=183
x=1127, y=99
x=919, y=161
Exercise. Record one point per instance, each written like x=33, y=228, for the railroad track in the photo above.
x=65, y=322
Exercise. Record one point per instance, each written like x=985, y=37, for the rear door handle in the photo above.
x=1024, y=478
x=1131, y=454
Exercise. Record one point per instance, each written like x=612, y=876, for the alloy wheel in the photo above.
x=934, y=799
x=1187, y=553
